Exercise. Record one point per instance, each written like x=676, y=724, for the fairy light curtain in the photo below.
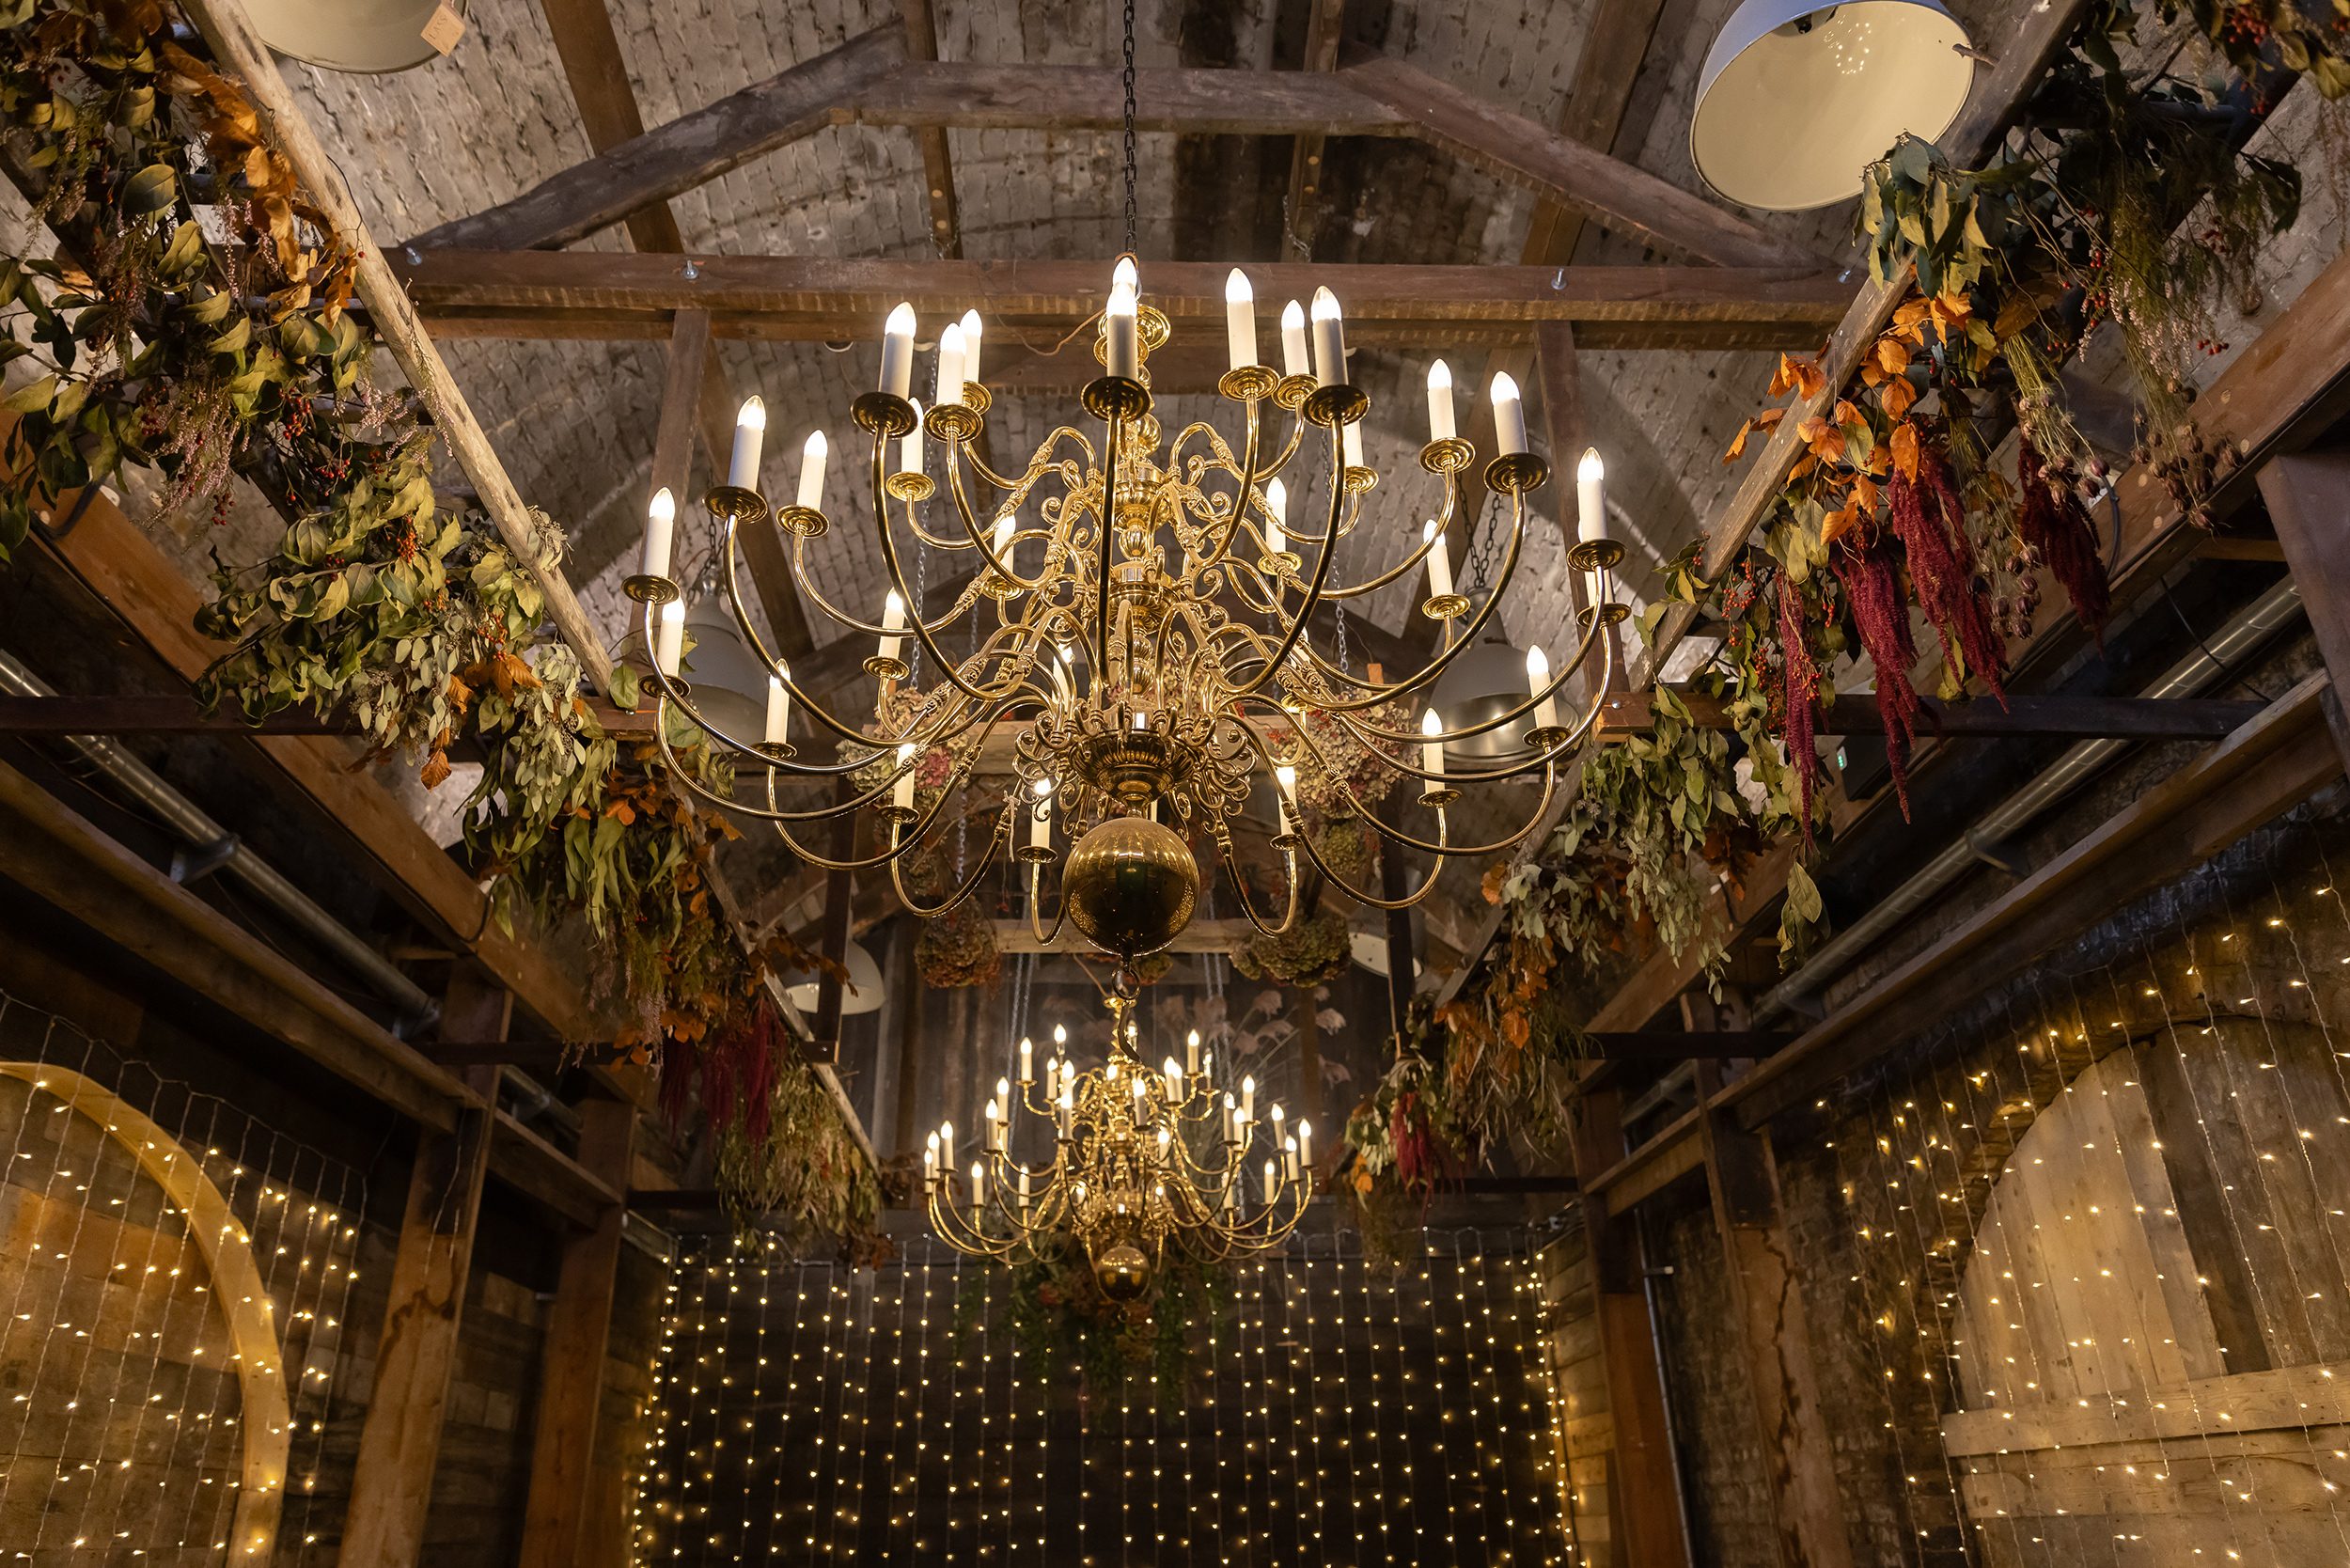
x=2100, y=1258
x=1339, y=1411
x=124, y=1363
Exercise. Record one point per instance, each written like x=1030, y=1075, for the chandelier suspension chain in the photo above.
x=1127, y=83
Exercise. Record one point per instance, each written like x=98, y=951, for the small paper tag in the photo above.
x=443, y=27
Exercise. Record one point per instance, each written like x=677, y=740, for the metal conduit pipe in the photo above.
x=212, y=847
x=2197, y=673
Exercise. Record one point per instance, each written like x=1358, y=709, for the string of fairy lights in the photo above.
x=1340, y=1409
x=2104, y=1251
x=125, y=1429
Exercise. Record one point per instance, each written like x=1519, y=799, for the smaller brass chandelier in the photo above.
x=1142, y=1159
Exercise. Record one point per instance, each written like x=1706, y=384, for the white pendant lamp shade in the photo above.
x=1797, y=99
x=360, y=35
x=861, y=993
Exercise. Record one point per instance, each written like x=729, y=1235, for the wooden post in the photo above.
x=570, y=1378
x=1565, y=428
x=1643, y=1480
x=400, y=1441
x=1767, y=1303
x=2308, y=502
x=673, y=437
x=839, y=896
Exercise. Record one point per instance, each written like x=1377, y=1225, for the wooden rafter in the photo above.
x=1325, y=23
x=938, y=174
x=869, y=81
x=586, y=294
x=609, y=111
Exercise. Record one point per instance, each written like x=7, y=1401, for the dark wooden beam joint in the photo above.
x=2055, y=717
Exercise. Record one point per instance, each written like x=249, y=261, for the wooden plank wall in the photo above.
x=1579, y=1382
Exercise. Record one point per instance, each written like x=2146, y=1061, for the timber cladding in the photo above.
x=2077, y=1261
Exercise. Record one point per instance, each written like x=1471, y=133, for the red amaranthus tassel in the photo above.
x=2058, y=527
x=1880, y=611
x=1801, y=693
x=1932, y=526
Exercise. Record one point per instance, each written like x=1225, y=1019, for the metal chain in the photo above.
x=1129, y=83
x=921, y=595
x=1338, y=609
x=1485, y=544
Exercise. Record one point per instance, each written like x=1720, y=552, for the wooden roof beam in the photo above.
x=938, y=173
x=1325, y=24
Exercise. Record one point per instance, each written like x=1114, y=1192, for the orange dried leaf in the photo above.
x=1906, y=451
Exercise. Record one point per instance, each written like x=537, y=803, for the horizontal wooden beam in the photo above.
x=1686, y=1045
x=167, y=714
x=583, y=295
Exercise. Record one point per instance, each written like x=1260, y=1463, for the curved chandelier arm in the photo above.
x=1248, y=907
x=953, y=1227
x=1040, y=462
x=1547, y=761
x=1428, y=882
x=899, y=848
x=1592, y=641
x=1446, y=510
x=1444, y=657
x=776, y=815
x=1036, y=908
x=921, y=628
x=670, y=691
x=971, y=527
x=1321, y=572
x=1247, y=474
x=1099, y=654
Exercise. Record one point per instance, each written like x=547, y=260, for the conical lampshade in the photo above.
x=1796, y=99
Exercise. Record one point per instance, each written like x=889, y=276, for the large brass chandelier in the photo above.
x=1140, y=1158
x=1140, y=657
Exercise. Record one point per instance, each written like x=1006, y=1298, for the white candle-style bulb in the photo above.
x=1231, y=1121
x=978, y=1186
x=778, y=710
x=1134, y=1087
x=669, y=651
x=1248, y=1098
x=1060, y=1035
x=1003, y=1097
x=1306, y=1144
x=893, y=625
x=1329, y=339
x=1590, y=497
x=1191, y=1051
x=1509, y=415
x=1165, y=1138
x=1440, y=425
x=1289, y=1159
x=1277, y=1114
x=995, y=1125
x=1351, y=444
x=1295, y=358
x=660, y=533
x=970, y=325
x=1125, y=272
x=1005, y=526
x=1125, y=343
x=947, y=1137
x=1024, y=1187
x=1240, y=318
x=950, y=364
x=1040, y=815
x=902, y=795
x=813, y=454
x=1439, y=561
x=910, y=449
x=1432, y=749
x=1068, y=1105
x=1272, y=1185
x=897, y=375
x=1285, y=782
x=1028, y=1060
x=1537, y=687
x=1174, y=1076
x=1276, y=506
x=750, y=435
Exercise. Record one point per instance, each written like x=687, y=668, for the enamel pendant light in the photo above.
x=1796, y=99
x=363, y=36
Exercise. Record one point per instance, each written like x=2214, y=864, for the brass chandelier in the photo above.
x=1139, y=625
x=1141, y=1158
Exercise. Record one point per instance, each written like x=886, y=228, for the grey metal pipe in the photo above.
x=2251, y=626
x=212, y=847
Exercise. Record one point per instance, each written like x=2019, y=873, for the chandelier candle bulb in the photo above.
x=901, y=795
x=893, y=625
x=910, y=449
x=750, y=434
x=896, y=376
x=660, y=533
x=1284, y=786
x=1004, y=528
x=1041, y=816
x=1003, y=1099
x=1351, y=444
x=669, y=651
x=1295, y=360
x=778, y=710
x=1289, y=1159
x=1191, y=1049
x=1590, y=497
x=1306, y=1144
x=1276, y=506
x=1068, y=1107
x=1248, y=1098
x=1272, y=1185
x=1174, y=1076
x=1027, y=1061
x=1240, y=318
x=1441, y=424
x=979, y=1190
x=1432, y=749
x=1439, y=561
x=1231, y=1121
x=813, y=454
x=1538, y=682
x=1024, y=1187
x=995, y=1140
x=1509, y=415
x=1118, y=321
x=1329, y=339
x=950, y=364
x=970, y=325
